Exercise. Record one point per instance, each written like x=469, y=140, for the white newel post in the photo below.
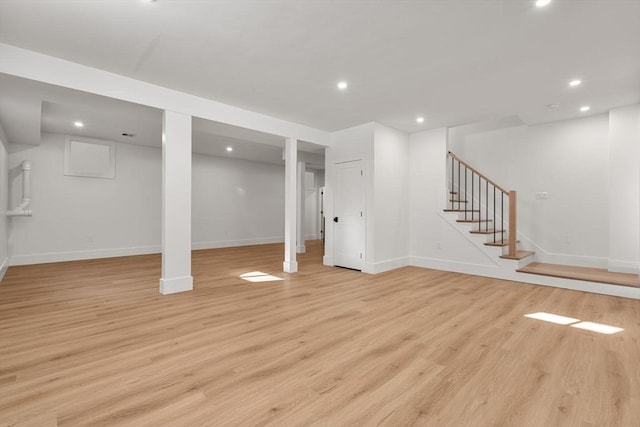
x=290, y=264
x=176, y=203
x=301, y=247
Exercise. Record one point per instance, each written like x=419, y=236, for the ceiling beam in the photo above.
x=35, y=66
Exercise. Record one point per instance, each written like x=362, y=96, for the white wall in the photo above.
x=391, y=199
x=434, y=242
x=350, y=144
x=234, y=202
x=569, y=160
x=624, y=206
x=79, y=218
x=4, y=188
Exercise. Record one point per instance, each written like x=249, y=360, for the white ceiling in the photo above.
x=453, y=61
x=29, y=108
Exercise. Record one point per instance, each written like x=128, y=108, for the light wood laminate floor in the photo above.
x=93, y=343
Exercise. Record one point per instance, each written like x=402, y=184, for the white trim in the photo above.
x=44, y=258
x=4, y=267
x=176, y=284
x=49, y=69
x=387, y=265
x=621, y=266
x=48, y=257
x=328, y=260
x=233, y=243
x=290, y=266
x=367, y=267
x=526, y=278
x=456, y=267
x=313, y=237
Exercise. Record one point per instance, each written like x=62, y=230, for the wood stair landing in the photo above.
x=598, y=275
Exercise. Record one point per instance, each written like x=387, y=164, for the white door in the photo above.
x=349, y=229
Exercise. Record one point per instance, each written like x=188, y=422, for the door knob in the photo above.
x=335, y=219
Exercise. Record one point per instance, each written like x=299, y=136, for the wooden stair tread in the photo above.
x=489, y=231
x=462, y=210
x=474, y=220
x=458, y=201
x=598, y=275
x=519, y=255
x=498, y=243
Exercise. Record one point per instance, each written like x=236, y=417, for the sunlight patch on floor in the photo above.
x=575, y=323
x=259, y=276
x=553, y=318
x=597, y=327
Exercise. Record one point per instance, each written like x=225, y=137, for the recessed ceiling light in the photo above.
x=148, y=1
x=78, y=124
x=342, y=85
x=585, y=108
x=229, y=149
x=420, y=120
x=542, y=3
x=574, y=83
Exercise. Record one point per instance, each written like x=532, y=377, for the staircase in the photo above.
x=488, y=208
x=490, y=213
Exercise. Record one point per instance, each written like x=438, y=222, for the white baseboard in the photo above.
x=44, y=258
x=81, y=255
x=3, y=268
x=176, y=284
x=327, y=260
x=313, y=237
x=455, y=266
x=233, y=243
x=620, y=266
x=290, y=267
x=387, y=265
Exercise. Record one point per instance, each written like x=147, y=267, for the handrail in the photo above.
x=471, y=168
x=464, y=189
x=512, y=223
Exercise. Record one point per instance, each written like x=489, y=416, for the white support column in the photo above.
x=290, y=264
x=176, y=203
x=301, y=247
